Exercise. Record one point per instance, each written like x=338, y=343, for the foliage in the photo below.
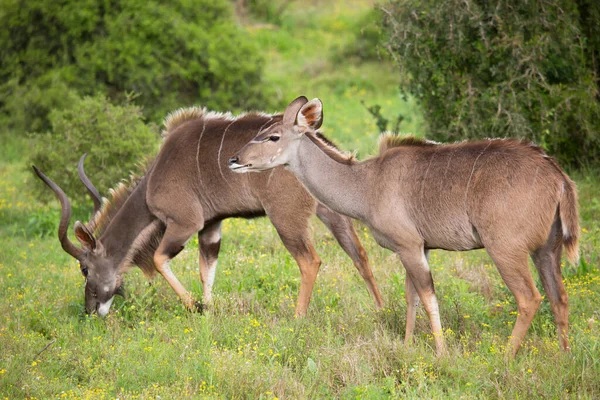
x=169, y=54
x=27, y=106
x=115, y=138
x=381, y=121
x=270, y=11
x=497, y=68
x=366, y=40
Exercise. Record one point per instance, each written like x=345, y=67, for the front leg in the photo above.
x=173, y=241
x=209, y=244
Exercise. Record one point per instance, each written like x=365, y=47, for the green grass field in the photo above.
x=250, y=345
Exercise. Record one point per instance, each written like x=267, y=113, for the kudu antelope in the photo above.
x=506, y=196
x=188, y=189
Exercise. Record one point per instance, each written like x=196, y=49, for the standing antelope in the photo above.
x=188, y=189
x=504, y=195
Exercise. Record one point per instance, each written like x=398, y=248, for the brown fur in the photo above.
x=118, y=195
x=389, y=140
x=504, y=195
x=331, y=149
x=188, y=189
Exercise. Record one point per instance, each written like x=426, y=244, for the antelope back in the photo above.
x=202, y=143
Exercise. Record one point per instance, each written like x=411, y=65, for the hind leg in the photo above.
x=209, y=243
x=547, y=262
x=412, y=303
x=515, y=272
x=343, y=231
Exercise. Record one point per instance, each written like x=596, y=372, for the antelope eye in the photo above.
x=273, y=138
x=84, y=271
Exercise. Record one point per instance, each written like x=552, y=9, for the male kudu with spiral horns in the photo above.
x=506, y=196
x=188, y=189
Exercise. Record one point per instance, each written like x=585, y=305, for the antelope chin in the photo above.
x=103, y=308
x=241, y=168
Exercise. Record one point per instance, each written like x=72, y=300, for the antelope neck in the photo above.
x=341, y=187
x=126, y=225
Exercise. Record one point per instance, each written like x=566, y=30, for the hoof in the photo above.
x=198, y=307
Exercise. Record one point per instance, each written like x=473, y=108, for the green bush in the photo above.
x=270, y=11
x=366, y=41
x=169, y=53
x=115, y=138
x=495, y=69
x=27, y=106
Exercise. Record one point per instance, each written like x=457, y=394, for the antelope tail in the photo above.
x=569, y=218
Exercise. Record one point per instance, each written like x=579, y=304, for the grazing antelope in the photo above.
x=506, y=196
x=188, y=189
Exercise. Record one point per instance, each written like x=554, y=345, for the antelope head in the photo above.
x=99, y=270
x=274, y=146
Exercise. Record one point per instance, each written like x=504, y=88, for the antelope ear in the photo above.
x=84, y=236
x=289, y=115
x=310, y=115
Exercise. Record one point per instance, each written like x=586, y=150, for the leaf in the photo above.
x=312, y=366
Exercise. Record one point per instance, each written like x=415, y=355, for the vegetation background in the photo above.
x=94, y=76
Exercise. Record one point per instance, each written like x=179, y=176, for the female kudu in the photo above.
x=504, y=195
x=188, y=189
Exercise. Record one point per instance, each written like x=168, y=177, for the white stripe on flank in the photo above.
x=219, y=153
x=198, y=152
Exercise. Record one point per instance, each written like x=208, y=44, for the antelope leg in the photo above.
x=171, y=244
x=209, y=244
x=343, y=231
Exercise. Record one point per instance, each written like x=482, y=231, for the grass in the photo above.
x=250, y=345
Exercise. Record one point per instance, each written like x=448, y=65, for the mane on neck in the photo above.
x=118, y=196
x=178, y=117
x=329, y=148
x=390, y=140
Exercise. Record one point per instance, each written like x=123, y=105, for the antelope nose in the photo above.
x=233, y=160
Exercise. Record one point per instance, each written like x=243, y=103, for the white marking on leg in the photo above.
x=434, y=308
x=212, y=237
x=211, y=270
x=104, y=307
x=424, y=260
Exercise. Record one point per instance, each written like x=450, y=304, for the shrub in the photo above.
x=169, y=53
x=27, y=106
x=115, y=138
x=270, y=11
x=366, y=40
x=495, y=69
